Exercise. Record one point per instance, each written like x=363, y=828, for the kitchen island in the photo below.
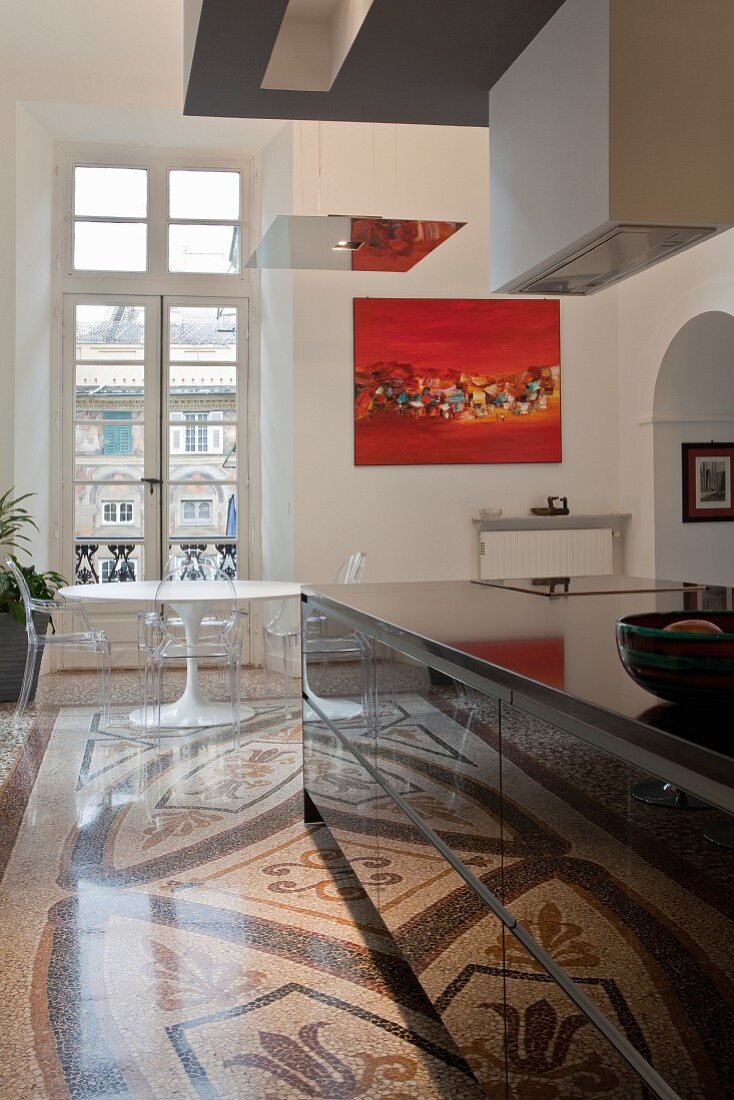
x=479, y=767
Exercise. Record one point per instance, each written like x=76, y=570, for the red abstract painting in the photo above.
x=452, y=380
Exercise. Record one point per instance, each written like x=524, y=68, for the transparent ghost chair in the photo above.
x=67, y=615
x=177, y=634
x=282, y=634
x=283, y=631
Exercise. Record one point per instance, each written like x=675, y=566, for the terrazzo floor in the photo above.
x=170, y=928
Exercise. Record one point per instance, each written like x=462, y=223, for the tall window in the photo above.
x=155, y=352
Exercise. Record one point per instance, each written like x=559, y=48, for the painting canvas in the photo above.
x=442, y=380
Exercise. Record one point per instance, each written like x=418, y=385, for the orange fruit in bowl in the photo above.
x=694, y=626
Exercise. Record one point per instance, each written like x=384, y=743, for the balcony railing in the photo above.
x=122, y=565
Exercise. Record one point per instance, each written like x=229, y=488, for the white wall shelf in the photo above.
x=615, y=522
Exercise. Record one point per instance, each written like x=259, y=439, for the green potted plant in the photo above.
x=14, y=523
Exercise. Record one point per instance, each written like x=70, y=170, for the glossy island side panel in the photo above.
x=448, y=935
x=554, y=1052
x=337, y=784
x=519, y=876
x=437, y=748
x=628, y=898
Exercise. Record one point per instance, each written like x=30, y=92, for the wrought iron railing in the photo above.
x=123, y=567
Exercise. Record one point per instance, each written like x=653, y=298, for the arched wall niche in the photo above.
x=693, y=402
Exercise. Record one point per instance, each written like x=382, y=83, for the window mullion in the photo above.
x=157, y=220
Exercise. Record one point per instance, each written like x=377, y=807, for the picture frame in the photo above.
x=708, y=490
x=467, y=381
x=711, y=598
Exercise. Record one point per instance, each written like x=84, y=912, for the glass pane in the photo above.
x=202, y=451
x=214, y=196
x=110, y=246
x=108, y=444
x=108, y=469
x=203, y=333
x=91, y=406
x=101, y=389
x=111, y=192
x=109, y=510
x=209, y=249
x=110, y=332
x=114, y=563
x=202, y=403
x=223, y=553
x=202, y=509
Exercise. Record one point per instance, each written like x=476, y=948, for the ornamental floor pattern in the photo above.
x=170, y=928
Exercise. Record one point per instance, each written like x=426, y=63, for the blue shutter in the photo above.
x=118, y=438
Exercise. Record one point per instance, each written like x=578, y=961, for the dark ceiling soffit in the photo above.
x=429, y=62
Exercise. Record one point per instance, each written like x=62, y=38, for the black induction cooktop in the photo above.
x=588, y=586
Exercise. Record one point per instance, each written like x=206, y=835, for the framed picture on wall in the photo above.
x=712, y=598
x=456, y=380
x=707, y=482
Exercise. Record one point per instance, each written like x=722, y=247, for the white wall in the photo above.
x=35, y=435
x=276, y=372
x=415, y=522
x=652, y=308
x=7, y=289
x=693, y=395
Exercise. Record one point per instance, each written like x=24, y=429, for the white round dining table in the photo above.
x=189, y=600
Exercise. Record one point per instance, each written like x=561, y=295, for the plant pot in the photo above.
x=13, y=652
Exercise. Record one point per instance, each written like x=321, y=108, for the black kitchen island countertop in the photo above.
x=555, y=658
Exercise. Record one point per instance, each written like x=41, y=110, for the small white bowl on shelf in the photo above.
x=490, y=513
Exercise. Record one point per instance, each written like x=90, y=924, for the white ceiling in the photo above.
x=164, y=128
x=110, y=71
x=131, y=35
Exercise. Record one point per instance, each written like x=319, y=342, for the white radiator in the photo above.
x=575, y=553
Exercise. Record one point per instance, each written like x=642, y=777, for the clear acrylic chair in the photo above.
x=81, y=635
x=168, y=640
x=282, y=634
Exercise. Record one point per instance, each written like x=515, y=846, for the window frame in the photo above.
x=156, y=279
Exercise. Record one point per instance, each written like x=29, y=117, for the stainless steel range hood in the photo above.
x=609, y=143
